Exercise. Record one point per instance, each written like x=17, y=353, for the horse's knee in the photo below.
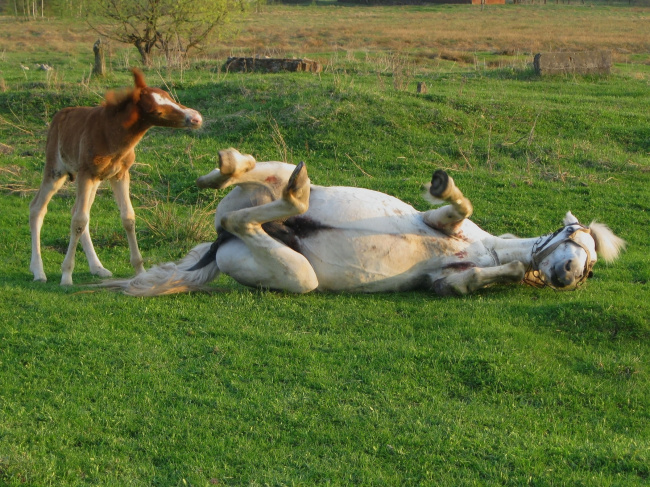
x=78, y=224
x=457, y=284
x=236, y=225
x=128, y=222
x=36, y=211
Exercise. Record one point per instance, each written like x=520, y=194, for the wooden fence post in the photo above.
x=100, y=64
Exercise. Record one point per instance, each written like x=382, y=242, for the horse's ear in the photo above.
x=569, y=219
x=608, y=245
x=138, y=78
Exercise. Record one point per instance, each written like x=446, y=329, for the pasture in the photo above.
x=510, y=386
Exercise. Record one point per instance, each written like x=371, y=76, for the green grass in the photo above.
x=510, y=386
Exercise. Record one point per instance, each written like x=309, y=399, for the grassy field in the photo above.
x=510, y=386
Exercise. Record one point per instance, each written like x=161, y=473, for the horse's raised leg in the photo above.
x=470, y=280
x=448, y=218
x=37, y=210
x=232, y=165
x=86, y=188
x=258, y=259
x=121, y=194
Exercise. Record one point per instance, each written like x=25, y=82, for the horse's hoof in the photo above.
x=298, y=177
x=439, y=183
x=101, y=272
x=232, y=161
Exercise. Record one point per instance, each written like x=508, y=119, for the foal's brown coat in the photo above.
x=96, y=144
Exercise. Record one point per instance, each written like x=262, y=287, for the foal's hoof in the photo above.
x=439, y=183
x=101, y=272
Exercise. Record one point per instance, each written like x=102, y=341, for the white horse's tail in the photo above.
x=190, y=274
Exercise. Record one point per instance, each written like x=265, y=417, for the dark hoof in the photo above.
x=298, y=177
x=439, y=183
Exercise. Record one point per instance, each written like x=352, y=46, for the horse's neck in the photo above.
x=514, y=249
x=123, y=128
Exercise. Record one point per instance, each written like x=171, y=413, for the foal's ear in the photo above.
x=138, y=78
x=569, y=219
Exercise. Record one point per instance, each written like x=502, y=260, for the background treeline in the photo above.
x=35, y=9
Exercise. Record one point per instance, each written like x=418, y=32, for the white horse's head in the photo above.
x=565, y=259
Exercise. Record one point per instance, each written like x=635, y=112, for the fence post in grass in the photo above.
x=100, y=64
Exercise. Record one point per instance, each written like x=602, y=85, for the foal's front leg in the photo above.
x=448, y=218
x=121, y=193
x=264, y=261
x=96, y=267
x=86, y=189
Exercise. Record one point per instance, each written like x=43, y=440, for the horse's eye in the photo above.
x=590, y=275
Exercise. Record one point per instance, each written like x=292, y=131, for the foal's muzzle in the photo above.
x=194, y=119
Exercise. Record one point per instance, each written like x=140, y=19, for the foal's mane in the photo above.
x=119, y=99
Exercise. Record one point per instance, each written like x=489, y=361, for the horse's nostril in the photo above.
x=568, y=266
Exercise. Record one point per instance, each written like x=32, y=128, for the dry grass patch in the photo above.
x=524, y=28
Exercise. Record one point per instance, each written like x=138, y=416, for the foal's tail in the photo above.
x=192, y=273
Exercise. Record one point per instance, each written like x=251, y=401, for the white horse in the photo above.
x=277, y=231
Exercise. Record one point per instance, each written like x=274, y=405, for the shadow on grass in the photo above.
x=581, y=322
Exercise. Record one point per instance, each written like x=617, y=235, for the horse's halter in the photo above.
x=544, y=248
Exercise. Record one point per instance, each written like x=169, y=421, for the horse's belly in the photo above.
x=347, y=260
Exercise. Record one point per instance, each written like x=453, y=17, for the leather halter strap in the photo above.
x=543, y=250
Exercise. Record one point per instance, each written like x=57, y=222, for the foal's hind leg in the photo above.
x=264, y=261
x=52, y=182
x=448, y=218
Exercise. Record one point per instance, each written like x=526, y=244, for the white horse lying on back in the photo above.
x=277, y=231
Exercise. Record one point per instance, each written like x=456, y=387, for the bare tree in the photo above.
x=174, y=26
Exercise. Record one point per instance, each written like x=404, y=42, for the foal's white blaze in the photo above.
x=192, y=116
x=161, y=100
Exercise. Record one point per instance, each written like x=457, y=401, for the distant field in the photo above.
x=511, y=386
x=424, y=32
